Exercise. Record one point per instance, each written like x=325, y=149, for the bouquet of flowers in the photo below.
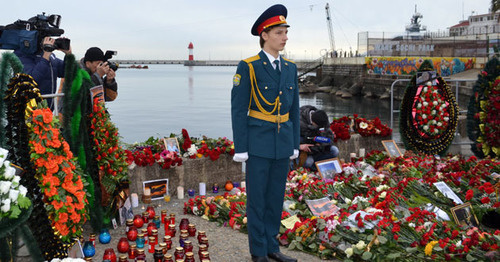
x=12, y=195
x=342, y=127
x=205, y=147
x=150, y=152
x=59, y=175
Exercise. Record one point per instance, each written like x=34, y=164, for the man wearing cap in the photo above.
x=266, y=130
x=100, y=73
x=314, y=123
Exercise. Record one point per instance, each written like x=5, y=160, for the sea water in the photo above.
x=164, y=99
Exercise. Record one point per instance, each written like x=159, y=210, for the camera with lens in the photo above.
x=108, y=55
x=28, y=36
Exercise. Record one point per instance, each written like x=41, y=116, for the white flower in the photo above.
x=3, y=155
x=425, y=103
x=16, y=180
x=5, y=187
x=292, y=206
x=13, y=194
x=132, y=166
x=347, y=200
x=361, y=245
x=446, y=118
x=428, y=225
x=9, y=172
x=411, y=225
x=435, y=103
x=383, y=195
x=424, y=116
x=22, y=190
x=349, y=252
x=381, y=188
x=436, y=131
x=419, y=105
x=334, y=201
x=459, y=243
x=426, y=127
x=425, y=89
x=6, y=205
x=363, y=125
x=433, y=111
x=6, y=163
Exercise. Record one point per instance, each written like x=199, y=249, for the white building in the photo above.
x=477, y=25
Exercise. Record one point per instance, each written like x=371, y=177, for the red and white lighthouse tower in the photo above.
x=190, y=47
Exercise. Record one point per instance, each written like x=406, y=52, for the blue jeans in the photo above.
x=334, y=152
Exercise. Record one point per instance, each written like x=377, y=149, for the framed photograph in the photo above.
x=391, y=148
x=322, y=207
x=426, y=76
x=97, y=92
x=172, y=145
x=463, y=215
x=328, y=168
x=157, y=188
x=447, y=192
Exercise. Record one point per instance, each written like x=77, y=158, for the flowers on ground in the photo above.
x=58, y=174
x=12, y=194
x=344, y=126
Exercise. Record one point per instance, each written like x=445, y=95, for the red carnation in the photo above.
x=485, y=200
x=469, y=194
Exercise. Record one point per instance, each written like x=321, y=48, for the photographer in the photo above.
x=100, y=71
x=316, y=138
x=44, y=67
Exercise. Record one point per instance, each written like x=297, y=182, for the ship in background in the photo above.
x=414, y=31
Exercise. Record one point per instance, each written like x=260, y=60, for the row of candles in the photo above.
x=203, y=189
x=148, y=238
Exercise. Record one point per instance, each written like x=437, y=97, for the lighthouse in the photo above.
x=190, y=47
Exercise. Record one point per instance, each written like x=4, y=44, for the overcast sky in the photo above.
x=220, y=29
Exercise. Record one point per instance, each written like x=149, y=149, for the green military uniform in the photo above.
x=265, y=120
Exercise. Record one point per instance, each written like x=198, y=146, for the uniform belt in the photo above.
x=269, y=118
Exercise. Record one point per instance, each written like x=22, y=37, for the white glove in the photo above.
x=240, y=157
x=295, y=154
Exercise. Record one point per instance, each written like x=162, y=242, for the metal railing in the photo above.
x=448, y=80
x=56, y=101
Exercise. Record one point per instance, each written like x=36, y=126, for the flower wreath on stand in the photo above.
x=429, y=113
x=483, y=125
x=110, y=158
x=59, y=175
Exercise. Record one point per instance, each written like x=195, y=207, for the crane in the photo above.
x=330, y=28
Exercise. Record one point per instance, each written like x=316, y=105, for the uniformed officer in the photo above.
x=266, y=130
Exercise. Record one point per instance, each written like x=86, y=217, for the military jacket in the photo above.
x=273, y=94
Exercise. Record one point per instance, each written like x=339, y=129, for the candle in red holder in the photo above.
x=132, y=251
x=145, y=217
x=200, y=235
x=132, y=233
x=188, y=246
x=172, y=230
x=172, y=218
x=202, y=248
x=150, y=228
x=129, y=223
x=138, y=221
x=123, y=245
x=151, y=244
x=191, y=230
x=204, y=241
x=123, y=258
x=144, y=231
x=151, y=211
x=92, y=238
x=183, y=225
x=205, y=255
x=189, y=257
x=179, y=253
x=168, y=241
x=109, y=254
x=184, y=232
x=163, y=215
x=167, y=258
x=163, y=246
x=154, y=233
x=140, y=255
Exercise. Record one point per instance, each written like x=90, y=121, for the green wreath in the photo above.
x=483, y=112
x=428, y=117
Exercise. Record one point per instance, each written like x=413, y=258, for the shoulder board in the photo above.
x=288, y=60
x=251, y=59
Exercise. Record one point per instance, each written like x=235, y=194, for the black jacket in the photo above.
x=308, y=131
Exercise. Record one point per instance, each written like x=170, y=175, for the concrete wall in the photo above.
x=189, y=175
x=346, y=147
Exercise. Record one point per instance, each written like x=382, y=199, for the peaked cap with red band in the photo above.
x=273, y=16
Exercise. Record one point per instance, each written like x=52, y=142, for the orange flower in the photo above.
x=61, y=228
x=75, y=217
x=63, y=217
x=57, y=204
x=47, y=116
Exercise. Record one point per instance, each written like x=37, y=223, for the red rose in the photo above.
x=469, y=194
x=485, y=200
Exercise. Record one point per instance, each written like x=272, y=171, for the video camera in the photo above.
x=108, y=55
x=28, y=35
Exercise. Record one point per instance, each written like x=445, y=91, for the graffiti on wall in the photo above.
x=444, y=66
